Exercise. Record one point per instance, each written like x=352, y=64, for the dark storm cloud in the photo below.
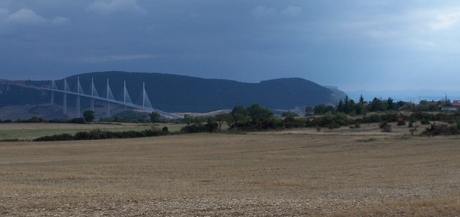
x=353, y=44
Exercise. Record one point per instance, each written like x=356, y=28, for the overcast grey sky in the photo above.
x=352, y=44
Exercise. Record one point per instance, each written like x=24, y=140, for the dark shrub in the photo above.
x=387, y=128
x=425, y=122
x=77, y=120
x=333, y=125
x=441, y=129
x=401, y=123
x=82, y=135
x=61, y=137
x=372, y=118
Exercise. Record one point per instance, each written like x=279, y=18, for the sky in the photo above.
x=352, y=44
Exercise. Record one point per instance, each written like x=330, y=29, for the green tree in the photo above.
x=188, y=119
x=322, y=109
x=309, y=111
x=360, y=109
x=390, y=104
x=351, y=107
x=239, y=115
x=211, y=124
x=221, y=118
x=319, y=109
x=340, y=106
x=239, y=110
x=346, y=105
x=378, y=105
x=89, y=115
x=257, y=112
x=361, y=99
x=155, y=117
x=289, y=114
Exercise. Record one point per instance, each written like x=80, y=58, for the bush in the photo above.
x=411, y=123
x=333, y=125
x=36, y=119
x=442, y=129
x=382, y=125
x=77, y=120
x=194, y=128
x=413, y=130
x=387, y=128
x=61, y=137
x=425, y=122
x=330, y=120
x=401, y=123
x=98, y=134
x=372, y=118
x=198, y=128
x=291, y=122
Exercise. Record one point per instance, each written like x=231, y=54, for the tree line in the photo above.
x=350, y=107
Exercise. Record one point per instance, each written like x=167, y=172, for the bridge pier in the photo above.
x=126, y=102
x=64, y=104
x=52, y=92
x=143, y=94
x=108, y=109
x=108, y=103
x=77, y=110
x=125, y=92
x=92, y=94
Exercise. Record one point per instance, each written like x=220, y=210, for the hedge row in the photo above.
x=99, y=134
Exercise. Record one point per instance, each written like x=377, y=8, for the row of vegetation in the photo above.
x=350, y=107
x=256, y=117
x=99, y=134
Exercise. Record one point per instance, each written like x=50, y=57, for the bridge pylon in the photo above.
x=109, y=98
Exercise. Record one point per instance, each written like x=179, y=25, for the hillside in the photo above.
x=177, y=93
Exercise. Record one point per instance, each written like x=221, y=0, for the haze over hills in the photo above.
x=177, y=93
x=406, y=95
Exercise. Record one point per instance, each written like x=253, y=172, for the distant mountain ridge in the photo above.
x=178, y=93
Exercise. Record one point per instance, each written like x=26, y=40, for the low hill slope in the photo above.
x=177, y=93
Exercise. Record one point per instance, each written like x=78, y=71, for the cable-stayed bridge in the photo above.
x=108, y=98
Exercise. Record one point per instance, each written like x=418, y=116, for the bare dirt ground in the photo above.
x=285, y=173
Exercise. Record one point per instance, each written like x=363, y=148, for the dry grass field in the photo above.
x=285, y=173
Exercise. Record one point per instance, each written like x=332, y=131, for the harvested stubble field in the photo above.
x=287, y=173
